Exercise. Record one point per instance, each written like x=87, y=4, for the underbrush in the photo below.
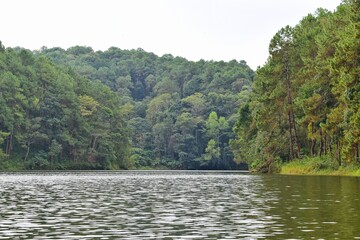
x=7, y=165
x=13, y=165
x=324, y=165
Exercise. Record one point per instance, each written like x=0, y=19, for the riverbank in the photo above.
x=19, y=165
x=319, y=166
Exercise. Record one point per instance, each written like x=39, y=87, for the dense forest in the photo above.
x=78, y=108
x=51, y=117
x=306, y=98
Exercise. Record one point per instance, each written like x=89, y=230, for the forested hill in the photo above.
x=53, y=118
x=180, y=113
x=306, y=98
x=80, y=108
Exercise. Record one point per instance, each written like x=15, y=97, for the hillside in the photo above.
x=78, y=108
x=180, y=113
x=53, y=118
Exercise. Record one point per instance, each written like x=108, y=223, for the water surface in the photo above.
x=177, y=205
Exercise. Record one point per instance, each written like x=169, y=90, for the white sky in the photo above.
x=194, y=29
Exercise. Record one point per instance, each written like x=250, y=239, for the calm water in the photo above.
x=177, y=205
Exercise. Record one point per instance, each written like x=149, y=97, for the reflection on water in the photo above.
x=177, y=205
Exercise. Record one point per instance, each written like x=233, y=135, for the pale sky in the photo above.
x=194, y=29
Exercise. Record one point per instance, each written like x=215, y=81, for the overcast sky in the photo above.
x=194, y=29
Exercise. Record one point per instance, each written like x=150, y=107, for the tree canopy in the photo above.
x=118, y=108
x=167, y=101
x=80, y=108
x=53, y=118
x=305, y=99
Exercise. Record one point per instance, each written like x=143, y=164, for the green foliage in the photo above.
x=212, y=151
x=165, y=101
x=80, y=108
x=311, y=165
x=121, y=109
x=2, y=136
x=88, y=105
x=50, y=117
x=39, y=161
x=12, y=165
x=54, y=150
x=2, y=47
x=217, y=152
x=305, y=99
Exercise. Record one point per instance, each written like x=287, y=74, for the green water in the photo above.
x=177, y=205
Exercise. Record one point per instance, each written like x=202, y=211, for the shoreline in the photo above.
x=319, y=167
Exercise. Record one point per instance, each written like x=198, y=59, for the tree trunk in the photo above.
x=312, y=148
x=321, y=144
x=338, y=153
x=291, y=138
x=295, y=134
x=93, y=142
x=9, y=140
x=291, y=116
x=7, y=148
x=330, y=144
x=27, y=151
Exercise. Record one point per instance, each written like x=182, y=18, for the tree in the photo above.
x=2, y=47
x=54, y=150
x=196, y=104
x=167, y=93
x=31, y=135
x=159, y=106
x=212, y=151
x=306, y=94
x=345, y=68
x=12, y=107
x=280, y=48
x=2, y=136
x=88, y=106
x=218, y=133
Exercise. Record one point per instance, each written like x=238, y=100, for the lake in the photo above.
x=177, y=205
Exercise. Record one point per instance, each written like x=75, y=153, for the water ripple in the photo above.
x=149, y=205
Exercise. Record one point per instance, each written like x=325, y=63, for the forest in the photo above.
x=118, y=109
x=305, y=101
x=53, y=118
x=77, y=108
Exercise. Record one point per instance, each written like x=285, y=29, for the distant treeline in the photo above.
x=78, y=108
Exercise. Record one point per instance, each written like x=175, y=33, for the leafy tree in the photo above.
x=51, y=117
x=2, y=136
x=159, y=91
x=212, y=151
x=306, y=94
